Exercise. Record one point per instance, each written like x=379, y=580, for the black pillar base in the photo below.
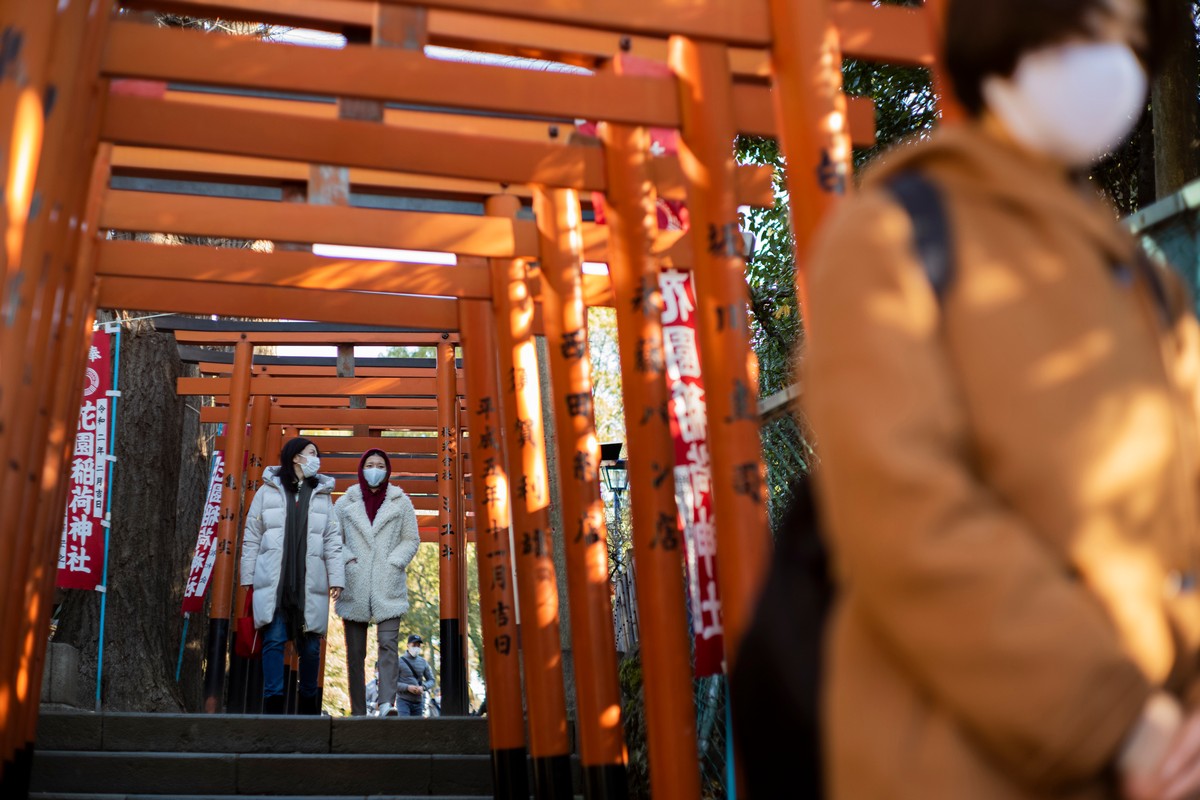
x=552, y=777
x=605, y=782
x=239, y=699
x=214, y=670
x=453, y=668
x=17, y=772
x=510, y=774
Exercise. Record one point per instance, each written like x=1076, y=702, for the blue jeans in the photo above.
x=274, y=638
x=409, y=708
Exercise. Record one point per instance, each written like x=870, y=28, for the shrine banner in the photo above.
x=202, y=562
x=81, y=552
x=693, y=469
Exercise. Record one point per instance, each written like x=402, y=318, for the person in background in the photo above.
x=416, y=678
x=1009, y=468
x=292, y=558
x=380, y=539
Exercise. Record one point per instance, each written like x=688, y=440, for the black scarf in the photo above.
x=295, y=551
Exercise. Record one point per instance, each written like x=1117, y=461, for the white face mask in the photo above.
x=1073, y=102
x=311, y=467
x=374, y=475
x=414, y=651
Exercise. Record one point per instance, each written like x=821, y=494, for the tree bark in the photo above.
x=1175, y=107
x=158, y=489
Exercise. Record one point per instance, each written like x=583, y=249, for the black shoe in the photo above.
x=275, y=704
x=308, y=706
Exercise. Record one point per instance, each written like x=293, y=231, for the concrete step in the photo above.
x=78, y=796
x=237, y=733
x=297, y=774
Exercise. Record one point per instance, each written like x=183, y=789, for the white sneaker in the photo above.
x=387, y=710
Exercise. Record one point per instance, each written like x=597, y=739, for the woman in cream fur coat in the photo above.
x=380, y=538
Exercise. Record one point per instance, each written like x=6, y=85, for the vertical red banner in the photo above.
x=81, y=553
x=693, y=469
x=202, y=562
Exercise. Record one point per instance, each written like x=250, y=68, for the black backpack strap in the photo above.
x=922, y=201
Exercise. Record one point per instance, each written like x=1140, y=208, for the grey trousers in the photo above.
x=356, y=656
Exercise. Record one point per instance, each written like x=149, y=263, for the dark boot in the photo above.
x=274, y=704
x=308, y=706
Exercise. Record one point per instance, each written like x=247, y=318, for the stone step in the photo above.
x=298, y=774
x=238, y=733
x=92, y=796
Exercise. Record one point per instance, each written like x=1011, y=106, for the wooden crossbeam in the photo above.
x=126, y=259
x=322, y=305
x=412, y=419
x=219, y=369
x=266, y=338
x=889, y=34
x=754, y=182
x=141, y=51
x=490, y=237
x=493, y=237
x=408, y=387
x=162, y=123
x=739, y=22
x=145, y=52
x=392, y=445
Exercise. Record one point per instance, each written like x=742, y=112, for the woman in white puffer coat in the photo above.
x=379, y=539
x=292, y=557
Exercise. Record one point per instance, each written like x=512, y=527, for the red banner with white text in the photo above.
x=202, y=562
x=693, y=469
x=81, y=552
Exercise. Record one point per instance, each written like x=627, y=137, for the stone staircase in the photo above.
x=112, y=756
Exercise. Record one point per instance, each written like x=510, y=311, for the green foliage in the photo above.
x=633, y=718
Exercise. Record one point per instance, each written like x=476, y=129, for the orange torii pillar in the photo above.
x=537, y=585
x=245, y=675
x=451, y=541
x=493, y=552
x=39, y=254
x=806, y=65
x=224, y=568
x=30, y=28
x=564, y=315
x=666, y=658
x=730, y=366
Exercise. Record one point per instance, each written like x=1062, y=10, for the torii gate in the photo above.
x=768, y=67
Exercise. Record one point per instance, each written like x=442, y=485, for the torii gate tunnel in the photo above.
x=109, y=122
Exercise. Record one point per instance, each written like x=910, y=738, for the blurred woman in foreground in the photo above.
x=1010, y=470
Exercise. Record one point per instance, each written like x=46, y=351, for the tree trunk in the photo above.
x=158, y=488
x=1176, y=116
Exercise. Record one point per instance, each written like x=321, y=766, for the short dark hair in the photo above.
x=987, y=37
x=287, y=473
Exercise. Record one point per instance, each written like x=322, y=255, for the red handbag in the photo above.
x=248, y=642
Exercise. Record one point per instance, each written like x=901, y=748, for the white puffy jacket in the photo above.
x=262, y=550
x=377, y=555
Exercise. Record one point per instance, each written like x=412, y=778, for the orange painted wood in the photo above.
x=195, y=263
x=389, y=74
x=756, y=114
x=868, y=32
x=420, y=419
x=296, y=370
x=320, y=305
x=295, y=222
x=597, y=691
x=304, y=387
x=392, y=445
x=394, y=338
x=161, y=123
x=492, y=502
x=732, y=21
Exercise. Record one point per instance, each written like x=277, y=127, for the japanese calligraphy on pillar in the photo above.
x=81, y=552
x=693, y=471
x=206, y=554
